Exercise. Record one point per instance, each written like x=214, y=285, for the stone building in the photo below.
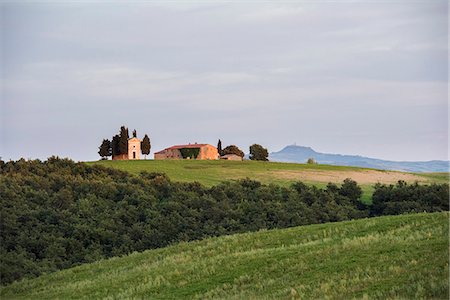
x=205, y=152
x=231, y=157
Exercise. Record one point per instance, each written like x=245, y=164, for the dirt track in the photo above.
x=362, y=177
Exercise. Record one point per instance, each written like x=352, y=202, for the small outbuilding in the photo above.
x=231, y=157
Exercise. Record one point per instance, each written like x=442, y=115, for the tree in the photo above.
x=105, y=149
x=351, y=190
x=232, y=149
x=219, y=147
x=134, y=133
x=311, y=161
x=146, y=146
x=123, y=141
x=258, y=152
x=115, y=145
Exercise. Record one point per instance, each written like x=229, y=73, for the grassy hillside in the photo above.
x=402, y=256
x=213, y=172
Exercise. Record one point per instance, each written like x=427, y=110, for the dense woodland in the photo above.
x=57, y=213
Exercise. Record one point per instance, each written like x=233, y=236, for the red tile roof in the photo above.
x=187, y=146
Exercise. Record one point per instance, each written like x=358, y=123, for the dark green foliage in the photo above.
x=311, y=161
x=351, y=190
x=191, y=153
x=405, y=198
x=232, y=149
x=123, y=141
x=119, y=143
x=115, y=145
x=105, y=149
x=145, y=145
x=56, y=214
x=219, y=147
x=257, y=152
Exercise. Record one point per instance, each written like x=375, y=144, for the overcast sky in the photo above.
x=350, y=77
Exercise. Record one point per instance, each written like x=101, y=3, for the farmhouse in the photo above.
x=189, y=151
x=134, y=150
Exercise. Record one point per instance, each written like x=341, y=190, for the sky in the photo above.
x=351, y=77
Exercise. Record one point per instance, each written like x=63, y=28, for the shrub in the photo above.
x=311, y=161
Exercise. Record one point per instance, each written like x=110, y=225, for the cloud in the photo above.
x=319, y=73
x=226, y=78
x=118, y=82
x=270, y=13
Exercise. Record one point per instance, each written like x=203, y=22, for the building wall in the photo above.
x=120, y=157
x=174, y=154
x=208, y=152
x=159, y=156
x=231, y=157
x=134, y=148
x=168, y=154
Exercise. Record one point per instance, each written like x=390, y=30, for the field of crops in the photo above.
x=387, y=257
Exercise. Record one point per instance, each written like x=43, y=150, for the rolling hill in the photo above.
x=387, y=257
x=211, y=173
x=301, y=154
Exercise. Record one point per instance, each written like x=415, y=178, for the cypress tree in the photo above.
x=115, y=145
x=219, y=147
x=123, y=142
x=146, y=146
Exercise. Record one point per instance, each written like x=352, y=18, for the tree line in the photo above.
x=56, y=214
x=119, y=144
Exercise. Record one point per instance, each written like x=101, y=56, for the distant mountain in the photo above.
x=301, y=154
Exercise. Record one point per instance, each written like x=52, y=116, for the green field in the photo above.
x=211, y=173
x=387, y=257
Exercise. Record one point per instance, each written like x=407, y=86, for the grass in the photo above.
x=440, y=177
x=388, y=257
x=211, y=173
